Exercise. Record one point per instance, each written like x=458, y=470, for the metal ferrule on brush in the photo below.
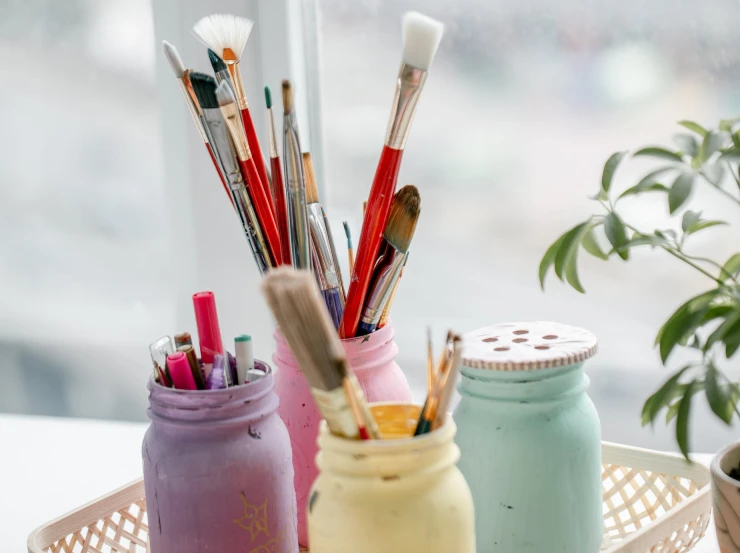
x=236, y=81
x=382, y=292
x=194, y=107
x=234, y=123
x=295, y=194
x=320, y=238
x=223, y=145
x=408, y=89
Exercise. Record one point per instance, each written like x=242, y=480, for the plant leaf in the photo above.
x=599, y=196
x=701, y=225
x=732, y=265
x=609, y=169
x=732, y=340
x=680, y=191
x=682, y=421
x=672, y=411
x=548, y=259
x=731, y=324
x=718, y=396
x=665, y=394
x=684, y=322
x=571, y=271
x=637, y=189
x=591, y=245
x=689, y=218
x=656, y=151
x=616, y=234
x=713, y=142
x=687, y=143
x=728, y=124
x=571, y=241
x=714, y=172
x=695, y=127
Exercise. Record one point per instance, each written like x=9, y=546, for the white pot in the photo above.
x=726, y=498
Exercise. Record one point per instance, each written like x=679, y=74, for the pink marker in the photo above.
x=182, y=375
x=209, y=332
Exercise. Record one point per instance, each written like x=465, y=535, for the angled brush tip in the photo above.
x=268, y=97
x=204, y=87
x=224, y=95
x=216, y=62
x=403, y=217
x=312, y=192
x=225, y=34
x=287, y=97
x=421, y=37
x=174, y=58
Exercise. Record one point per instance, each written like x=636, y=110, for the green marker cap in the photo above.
x=243, y=338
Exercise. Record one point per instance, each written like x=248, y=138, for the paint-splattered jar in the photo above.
x=218, y=471
x=530, y=439
x=400, y=494
x=373, y=359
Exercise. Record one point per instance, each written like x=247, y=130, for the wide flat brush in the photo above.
x=277, y=184
x=421, y=36
x=260, y=200
x=183, y=79
x=205, y=90
x=392, y=256
x=295, y=185
x=303, y=320
x=227, y=36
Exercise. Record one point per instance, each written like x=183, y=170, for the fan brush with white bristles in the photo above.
x=421, y=37
x=227, y=36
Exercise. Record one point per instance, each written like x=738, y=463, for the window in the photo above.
x=523, y=104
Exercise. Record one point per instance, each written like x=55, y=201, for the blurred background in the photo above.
x=524, y=103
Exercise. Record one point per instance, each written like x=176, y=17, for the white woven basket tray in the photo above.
x=653, y=502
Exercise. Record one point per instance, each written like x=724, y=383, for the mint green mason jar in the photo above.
x=530, y=439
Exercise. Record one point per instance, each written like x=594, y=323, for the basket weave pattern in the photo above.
x=634, y=498
x=653, y=503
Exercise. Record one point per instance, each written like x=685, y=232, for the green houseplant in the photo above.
x=708, y=324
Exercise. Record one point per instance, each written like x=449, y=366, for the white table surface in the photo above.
x=51, y=465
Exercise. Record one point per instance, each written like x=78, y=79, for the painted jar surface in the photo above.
x=373, y=359
x=218, y=470
x=530, y=439
x=401, y=495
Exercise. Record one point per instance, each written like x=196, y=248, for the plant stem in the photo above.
x=721, y=269
x=725, y=192
x=680, y=255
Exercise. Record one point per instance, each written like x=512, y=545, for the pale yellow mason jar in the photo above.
x=399, y=494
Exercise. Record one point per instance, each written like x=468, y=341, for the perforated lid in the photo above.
x=527, y=346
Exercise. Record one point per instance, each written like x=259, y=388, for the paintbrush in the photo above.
x=326, y=267
x=183, y=79
x=278, y=187
x=260, y=200
x=421, y=36
x=305, y=323
x=437, y=401
x=295, y=186
x=392, y=255
x=350, y=249
x=227, y=35
x=387, y=308
x=205, y=90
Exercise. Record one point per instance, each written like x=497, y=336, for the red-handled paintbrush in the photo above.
x=227, y=35
x=260, y=200
x=421, y=36
x=278, y=187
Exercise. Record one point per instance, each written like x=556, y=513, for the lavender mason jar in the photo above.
x=218, y=470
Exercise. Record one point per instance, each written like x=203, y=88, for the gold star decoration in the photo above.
x=254, y=519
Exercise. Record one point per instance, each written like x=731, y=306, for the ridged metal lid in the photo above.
x=527, y=346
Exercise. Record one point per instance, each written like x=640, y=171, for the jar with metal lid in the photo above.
x=530, y=438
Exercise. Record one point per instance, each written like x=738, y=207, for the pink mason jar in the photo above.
x=218, y=471
x=373, y=358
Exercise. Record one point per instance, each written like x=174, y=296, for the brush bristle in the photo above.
x=287, y=97
x=312, y=192
x=204, y=87
x=304, y=321
x=403, y=218
x=421, y=36
x=348, y=233
x=216, y=62
x=268, y=97
x=225, y=34
x=174, y=58
x=224, y=95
